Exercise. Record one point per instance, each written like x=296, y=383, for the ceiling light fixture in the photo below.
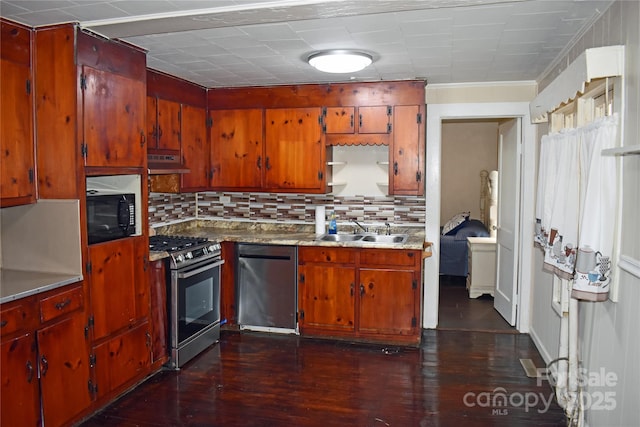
x=340, y=61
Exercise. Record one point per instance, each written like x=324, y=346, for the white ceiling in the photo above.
x=218, y=43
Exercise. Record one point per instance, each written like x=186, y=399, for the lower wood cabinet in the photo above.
x=368, y=294
x=44, y=359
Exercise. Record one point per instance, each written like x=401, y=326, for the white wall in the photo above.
x=609, y=332
x=468, y=147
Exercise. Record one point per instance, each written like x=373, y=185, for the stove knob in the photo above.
x=188, y=255
x=211, y=249
x=179, y=258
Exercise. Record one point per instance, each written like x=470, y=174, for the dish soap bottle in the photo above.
x=333, y=227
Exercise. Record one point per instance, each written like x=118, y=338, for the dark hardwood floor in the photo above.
x=456, y=311
x=455, y=378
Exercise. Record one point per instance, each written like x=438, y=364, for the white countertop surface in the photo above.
x=15, y=284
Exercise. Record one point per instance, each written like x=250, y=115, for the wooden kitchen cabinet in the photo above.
x=163, y=125
x=20, y=394
x=118, y=285
x=294, y=150
x=113, y=119
x=121, y=359
x=362, y=125
x=326, y=295
x=237, y=160
x=17, y=174
x=195, y=149
x=368, y=294
x=406, y=152
x=120, y=307
x=44, y=351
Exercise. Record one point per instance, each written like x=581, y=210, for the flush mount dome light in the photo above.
x=340, y=61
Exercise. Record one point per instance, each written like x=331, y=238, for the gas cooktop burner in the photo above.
x=170, y=244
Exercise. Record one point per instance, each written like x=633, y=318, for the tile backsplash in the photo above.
x=277, y=207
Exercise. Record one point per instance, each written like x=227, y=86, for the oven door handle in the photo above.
x=188, y=274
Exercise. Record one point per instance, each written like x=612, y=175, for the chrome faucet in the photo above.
x=388, y=228
x=365, y=229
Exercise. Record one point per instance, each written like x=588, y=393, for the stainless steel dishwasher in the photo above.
x=266, y=287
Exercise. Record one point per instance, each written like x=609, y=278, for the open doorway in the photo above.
x=436, y=114
x=469, y=156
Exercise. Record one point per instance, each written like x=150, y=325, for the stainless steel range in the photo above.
x=193, y=294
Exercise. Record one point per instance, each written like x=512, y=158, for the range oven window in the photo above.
x=198, y=302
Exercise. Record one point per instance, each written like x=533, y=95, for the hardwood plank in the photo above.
x=251, y=379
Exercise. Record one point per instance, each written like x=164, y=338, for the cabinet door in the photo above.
x=64, y=370
x=327, y=297
x=19, y=392
x=122, y=359
x=294, y=150
x=339, y=120
x=407, y=151
x=168, y=125
x=113, y=119
x=374, y=119
x=112, y=285
x=16, y=135
x=236, y=148
x=387, y=302
x=195, y=149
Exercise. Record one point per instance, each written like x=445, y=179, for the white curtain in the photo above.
x=576, y=205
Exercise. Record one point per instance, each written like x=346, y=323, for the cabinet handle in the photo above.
x=361, y=289
x=159, y=132
x=267, y=164
x=395, y=168
x=62, y=304
x=259, y=162
x=148, y=335
x=351, y=121
x=352, y=285
x=44, y=365
x=29, y=371
x=143, y=138
x=360, y=122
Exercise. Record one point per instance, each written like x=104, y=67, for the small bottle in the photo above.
x=333, y=226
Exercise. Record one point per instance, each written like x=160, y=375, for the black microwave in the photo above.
x=110, y=216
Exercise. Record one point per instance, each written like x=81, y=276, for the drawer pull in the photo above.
x=61, y=305
x=29, y=371
x=3, y=324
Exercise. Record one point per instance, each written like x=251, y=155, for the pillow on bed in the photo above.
x=454, y=222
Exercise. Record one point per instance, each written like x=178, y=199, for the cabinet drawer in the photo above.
x=327, y=254
x=15, y=317
x=61, y=303
x=394, y=257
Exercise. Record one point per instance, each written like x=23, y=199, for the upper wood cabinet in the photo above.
x=113, y=119
x=406, y=151
x=237, y=159
x=195, y=148
x=17, y=174
x=363, y=125
x=163, y=124
x=294, y=150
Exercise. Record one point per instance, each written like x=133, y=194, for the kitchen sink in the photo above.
x=385, y=238
x=341, y=237
x=368, y=238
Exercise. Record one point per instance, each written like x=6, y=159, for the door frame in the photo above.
x=436, y=113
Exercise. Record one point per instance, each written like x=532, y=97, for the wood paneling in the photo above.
x=172, y=88
x=331, y=95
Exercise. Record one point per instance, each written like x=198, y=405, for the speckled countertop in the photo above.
x=281, y=234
